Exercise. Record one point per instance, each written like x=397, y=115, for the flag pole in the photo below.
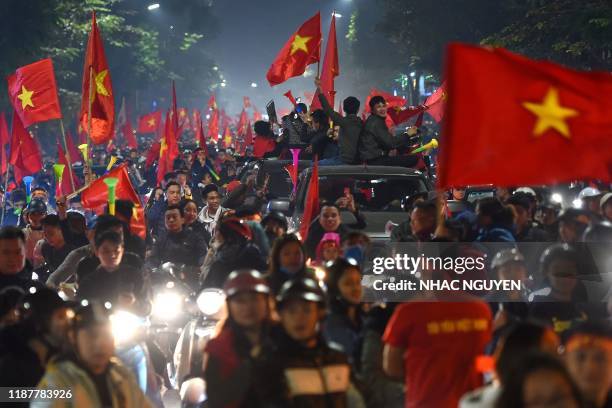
x=87, y=167
x=67, y=154
x=5, y=188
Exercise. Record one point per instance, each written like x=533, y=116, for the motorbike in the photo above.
x=189, y=351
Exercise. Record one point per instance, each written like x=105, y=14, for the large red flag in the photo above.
x=150, y=123
x=73, y=152
x=399, y=115
x=248, y=136
x=4, y=140
x=125, y=126
x=256, y=115
x=152, y=154
x=213, y=126
x=436, y=103
x=25, y=153
x=538, y=122
x=33, y=93
x=392, y=101
x=212, y=103
x=247, y=102
x=331, y=69
x=168, y=150
x=184, y=122
x=227, y=138
x=95, y=197
x=302, y=49
x=102, y=103
x=242, y=123
x=200, y=137
x=311, y=205
x=66, y=185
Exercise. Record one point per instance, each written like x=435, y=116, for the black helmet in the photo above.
x=556, y=251
x=275, y=216
x=598, y=232
x=90, y=314
x=303, y=289
x=245, y=280
x=37, y=206
x=38, y=305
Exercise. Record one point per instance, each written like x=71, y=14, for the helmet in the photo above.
x=588, y=192
x=606, y=197
x=275, y=216
x=525, y=190
x=41, y=302
x=574, y=215
x=556, y=251
x=505, y=256
x=37, y=206
x=304, y=289
x=91, y=313
x=233, y=225
x=245, y=280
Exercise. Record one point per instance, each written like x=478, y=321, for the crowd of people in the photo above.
x=298, y=332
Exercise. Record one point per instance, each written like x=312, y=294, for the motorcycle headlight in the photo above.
x=210, y=301
x=167, y=305
x=556, y=198
x=124, y=325
x=577, y=203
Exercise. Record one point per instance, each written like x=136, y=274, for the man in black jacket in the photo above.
x=350, y=128
x=14, y=269
x=376, y=142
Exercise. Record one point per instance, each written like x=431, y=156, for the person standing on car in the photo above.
x=377, y=145
x=350, y=128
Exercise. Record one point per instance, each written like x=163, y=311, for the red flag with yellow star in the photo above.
x=213, y=126
x=97, y=84
x=33, y=93
x=331, y=69
x=25, y=153
x=168, y=150
x=242, y=123
x=302, y=49
x=436, y=103
x=538, y=122
x=150, y=122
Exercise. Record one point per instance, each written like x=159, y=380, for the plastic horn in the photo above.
x=58, y=170
x=213, y=173
x=111, y=163
x=84, y=152
x=27, y=180
x=296, y=158
x=431, y=145
x=111, y=183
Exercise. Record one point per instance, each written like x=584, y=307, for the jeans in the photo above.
x=334, y=161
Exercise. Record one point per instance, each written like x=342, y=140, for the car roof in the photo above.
x=363, y=170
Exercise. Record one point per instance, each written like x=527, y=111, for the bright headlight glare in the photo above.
x=124, y=325
x=577, y=203
x=557, y=198
x=210, y=301
x=167, y=305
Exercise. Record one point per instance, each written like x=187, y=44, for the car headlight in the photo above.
x=210, y=301
x=124, y=325
x=167, y=305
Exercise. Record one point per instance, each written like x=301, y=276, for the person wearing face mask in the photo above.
x=231, y=360
x=89, y=369
x=287, y=261
x=344, y=322
x=329, y=221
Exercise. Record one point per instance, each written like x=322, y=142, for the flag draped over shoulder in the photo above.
x=97, y=83
x=538, y=122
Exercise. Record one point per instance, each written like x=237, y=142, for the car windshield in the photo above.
x=371, y=192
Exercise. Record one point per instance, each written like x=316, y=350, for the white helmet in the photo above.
x=588, y=192
x=526, y=190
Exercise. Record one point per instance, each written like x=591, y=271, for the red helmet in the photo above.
x=245, y=280
x=236, y=226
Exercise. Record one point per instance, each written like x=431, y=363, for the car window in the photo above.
x=476, y=195
x=371, y=192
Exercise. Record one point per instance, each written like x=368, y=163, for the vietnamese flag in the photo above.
x=243, y=123
x=73, y=152
x=97, y=85
x=399, y=115
x=25, y=153
x=212, y=103
x=184, y=122
x=150, y=122
x=213, y=126
x=392, y=101
x=538, y=122
x=247, y=102
x=200, y=136
x=95, y=197
x=256, y=115
x=152, y=154
x=331, y=69
x=302, y=49
x=227, y=138
x=311, y=206
x=436, y=103
x=248, y=136
x=33, y=93
x=4, y=140
x=66, y=185
x=168, y=150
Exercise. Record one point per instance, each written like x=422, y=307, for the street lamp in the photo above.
x=223, y=84
x=337, y=15
x=253, y=85
x=153, y=6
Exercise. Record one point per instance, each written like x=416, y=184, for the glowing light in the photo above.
x=153, y=6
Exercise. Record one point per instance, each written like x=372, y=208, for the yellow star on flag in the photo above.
x=25, y=97
x=300, y=43
x=99, y=79
x=551, y=114
x=151, y=122
x=183, y=114
x=163, y=147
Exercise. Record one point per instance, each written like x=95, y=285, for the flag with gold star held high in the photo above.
x=33, y=93
x=97, y=91
x=302, y=49
x=523, y=122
